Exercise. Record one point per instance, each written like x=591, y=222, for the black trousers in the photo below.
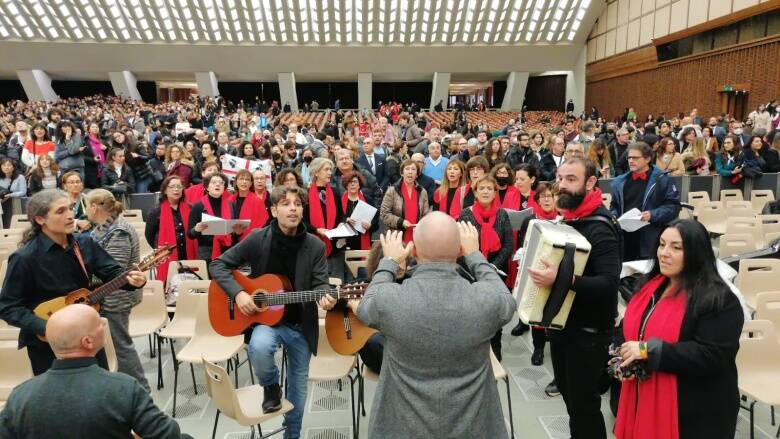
x=41, y=357
x=539, y=337
x=579, y=363
x=372, y=352
x=495, y=344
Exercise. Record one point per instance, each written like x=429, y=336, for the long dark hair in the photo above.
x=15, y=173
x=699, y=277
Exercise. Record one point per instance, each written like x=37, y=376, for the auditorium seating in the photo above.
x=757, y=360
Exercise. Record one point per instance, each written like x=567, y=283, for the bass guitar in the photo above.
x=270, y=293
x=94, y=297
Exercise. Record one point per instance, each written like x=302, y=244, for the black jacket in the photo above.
x=311, y=272
x=548, y=167
x=703, y=359
x=595, y=304
x=379, y=164
x=112, y=182
x=503, y=228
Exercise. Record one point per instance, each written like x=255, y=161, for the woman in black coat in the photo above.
x=495, y=244
x=682, y=328
x=117, y=176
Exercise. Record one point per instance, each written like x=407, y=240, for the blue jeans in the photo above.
x=142, y=185
x=262, y=346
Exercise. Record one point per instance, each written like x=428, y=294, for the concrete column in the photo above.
x=365, y=83
x=514, y=96
x=207, y=84
x=287, y=91
x=441, y=89
x=37, y=85
x=575, y=82
x=124, y=84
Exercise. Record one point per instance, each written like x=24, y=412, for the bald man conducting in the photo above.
x=76, y=398
x=436, y=378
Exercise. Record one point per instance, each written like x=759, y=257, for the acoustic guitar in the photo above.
x=94, y=297
x=346, y=333
x=270, y=293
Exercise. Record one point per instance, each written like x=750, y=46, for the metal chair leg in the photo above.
x=216, y=419
x=509, y=404
x=151, y=347
x=194, y=385
x=160, y=383
x=752, y=420
x=252, y=436
x=355, y=417
x=175, y=377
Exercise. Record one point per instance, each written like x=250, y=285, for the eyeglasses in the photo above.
x=175, y=186
x=546, y=196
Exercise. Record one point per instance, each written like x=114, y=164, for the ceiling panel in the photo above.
x=295, y=22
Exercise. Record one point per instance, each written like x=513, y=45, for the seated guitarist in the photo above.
x=284, y=248
x=51, y=263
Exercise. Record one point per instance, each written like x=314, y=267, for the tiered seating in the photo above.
x=301, y=118
x=494, y=120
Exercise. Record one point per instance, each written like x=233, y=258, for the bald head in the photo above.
x=436, y=238
x=75, y=331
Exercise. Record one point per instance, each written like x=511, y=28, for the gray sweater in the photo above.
x=120, y=240
x=78, y=399
x=68, y=154
x=436, y=379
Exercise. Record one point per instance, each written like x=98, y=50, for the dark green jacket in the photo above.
x=78, y=399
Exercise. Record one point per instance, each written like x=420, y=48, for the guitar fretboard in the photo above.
x=99, y=293
x=286, y=298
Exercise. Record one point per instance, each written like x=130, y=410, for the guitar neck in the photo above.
x=99, y=293
x=290, y=297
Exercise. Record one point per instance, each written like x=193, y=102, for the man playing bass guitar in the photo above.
x=51, y=263
x=283, y=248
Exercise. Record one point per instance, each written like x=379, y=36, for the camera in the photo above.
x=637, y=369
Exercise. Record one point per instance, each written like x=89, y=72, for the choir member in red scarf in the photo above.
x=194, y=193
x=683, y=326
x=476, y=167
x=449, y=196
x=405, y=202
x=168, y=224
x=543, y=204
x=353, y=182
x=322, y=213
x=246, y=205
x=260, y=186
x=495, y=232
x=526, y=178
x=216, y=203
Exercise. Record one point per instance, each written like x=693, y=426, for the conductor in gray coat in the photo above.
x=436, y=379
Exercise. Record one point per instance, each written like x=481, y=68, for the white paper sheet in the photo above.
x=630, y=221
x=218, y=226
x=363, y=213
x=341, y=231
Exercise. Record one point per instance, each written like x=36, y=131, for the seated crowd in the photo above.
x=406, y=164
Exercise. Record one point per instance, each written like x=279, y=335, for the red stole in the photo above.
x=167, y=235
x=365, y=239
x=457, y=201
x=489, y=241
x=511, y=199
x=316, y=217
x=539, y=213
x=194, y=193
x=224, y=240
x=648, y=410
x=411, y=209
x=589, y=205
x=253, y=210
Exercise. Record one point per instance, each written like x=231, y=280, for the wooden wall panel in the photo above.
x=680, y=85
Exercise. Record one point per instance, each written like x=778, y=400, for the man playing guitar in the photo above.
x=284, y=248
x=52, y=263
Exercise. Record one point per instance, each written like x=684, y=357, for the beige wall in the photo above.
x=627, y=24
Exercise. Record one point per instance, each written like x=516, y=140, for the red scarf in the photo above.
x=167, y=235
x=224, y=240
x=539, y=213
x=411, y=209
x=194, y=193
x=319, y=220
x=488, y=238
x=455, y=207
x=589, y=205
x=648, y=410
x=253, y=209
x=512, y=199
x=365, y=239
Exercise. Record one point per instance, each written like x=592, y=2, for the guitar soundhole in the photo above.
x=80, y=300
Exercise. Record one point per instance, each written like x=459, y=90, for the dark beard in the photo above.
x=570, y=201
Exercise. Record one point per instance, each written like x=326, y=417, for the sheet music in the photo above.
x=218, y=226
x=363, y=213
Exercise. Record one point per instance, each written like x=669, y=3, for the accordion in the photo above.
x=558, y=243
